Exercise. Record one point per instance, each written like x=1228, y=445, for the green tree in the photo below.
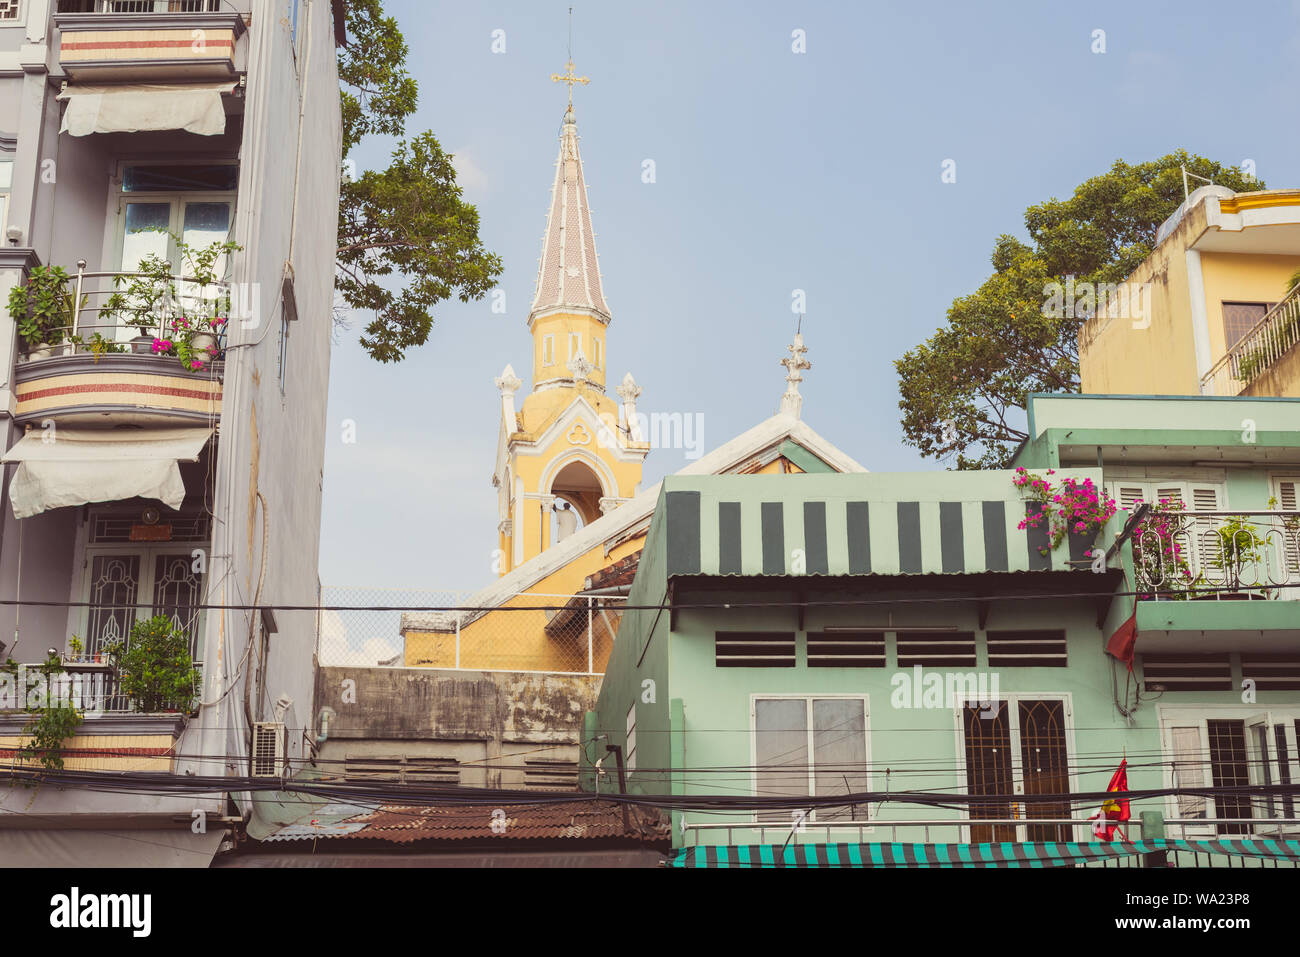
x=964, y=390
x=407, y=220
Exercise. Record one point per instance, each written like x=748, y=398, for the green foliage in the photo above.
x=156, y=668
x=43, y=308
x=51, y=723
x=964, y=390
x=408, y=219
x=1236, y=544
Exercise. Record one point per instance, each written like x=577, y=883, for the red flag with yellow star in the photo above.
x=1113, y=811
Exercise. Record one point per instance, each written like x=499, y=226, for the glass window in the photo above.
x=180, y=179
x=811, y=746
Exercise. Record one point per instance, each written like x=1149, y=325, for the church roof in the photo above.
x=568, y=276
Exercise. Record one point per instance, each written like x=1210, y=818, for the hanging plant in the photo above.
x=1073, y=507
x=1158, y=552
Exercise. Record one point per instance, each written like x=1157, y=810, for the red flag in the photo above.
x=1122, y=644
x=1113, y=812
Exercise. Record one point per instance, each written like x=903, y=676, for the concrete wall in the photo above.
x=495, y=720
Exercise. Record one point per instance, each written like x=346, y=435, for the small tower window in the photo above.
x=595, y=352
x=548, y=350
x=575, y=345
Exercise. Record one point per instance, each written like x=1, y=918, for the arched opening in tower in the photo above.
x=578, y=487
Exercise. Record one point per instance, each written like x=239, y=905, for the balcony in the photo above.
x=111, y=354
x=1215, y=580
x=1266, y=360
x=148, y=40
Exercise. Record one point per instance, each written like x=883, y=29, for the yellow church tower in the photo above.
x=565, y=456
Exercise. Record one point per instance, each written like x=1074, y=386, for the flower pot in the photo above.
x=204, y=344
x=42, y=351
x=142, y=345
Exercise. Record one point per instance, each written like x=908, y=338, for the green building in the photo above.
x=903, y=636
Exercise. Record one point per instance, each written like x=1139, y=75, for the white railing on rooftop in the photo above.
x=1258, y=350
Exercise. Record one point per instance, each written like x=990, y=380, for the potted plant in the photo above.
x=1075, y=509
x=76, y=650
x=155, y=666
x=1159, y=555
x=1236, y=543
x=44, y=309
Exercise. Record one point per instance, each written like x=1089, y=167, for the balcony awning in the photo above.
x=1020, y=854
x=78, y=466
x=133, y=107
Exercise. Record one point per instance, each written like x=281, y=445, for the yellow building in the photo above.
x=1214, y=310
x=569, y=443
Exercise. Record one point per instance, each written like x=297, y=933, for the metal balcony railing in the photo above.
x=93, y=689
x=150, y=6
x=1218, y=555
x=1258, y=349
x=95, y=327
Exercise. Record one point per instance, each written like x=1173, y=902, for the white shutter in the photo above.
x=1205, y=534
x=1189, y=769
x=1288, y=499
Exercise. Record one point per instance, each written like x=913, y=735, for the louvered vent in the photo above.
x=1288, y=494
x=114, y=528
x=552, y=775
x=1272, y=672
x=754, y=649
x=1027, y=649
x=1187, y=673
x=403, y=770
x=846, y=649
x=934, y=649
x=268, y=749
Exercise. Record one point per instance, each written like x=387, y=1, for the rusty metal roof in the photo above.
x=572, y=820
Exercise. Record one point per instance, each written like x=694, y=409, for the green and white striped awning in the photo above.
x=1005, y=854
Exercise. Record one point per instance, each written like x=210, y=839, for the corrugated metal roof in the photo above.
x=572, y=820
x=872, y=524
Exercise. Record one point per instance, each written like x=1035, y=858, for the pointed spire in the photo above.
x=792, y=401
x=568, y=276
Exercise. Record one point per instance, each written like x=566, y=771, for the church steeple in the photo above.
x=565, y=454
x=568, y=275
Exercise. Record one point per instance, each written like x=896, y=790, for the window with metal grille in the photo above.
x=120, y=528
x=846, y=649
x=1229, y=768
x=1027, y=649
x=811, y=746
x=955, y=649
x=10, y=9
x=1272, y=672
x=1241, y=317
x=987, y=741
x=550, y=775
x=754, y=649
x=1186, y=672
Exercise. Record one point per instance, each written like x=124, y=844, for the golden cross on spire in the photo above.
x=569, y=77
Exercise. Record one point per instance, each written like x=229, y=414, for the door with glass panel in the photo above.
x=160, y=204
x=1017, y=748
x=810, y=746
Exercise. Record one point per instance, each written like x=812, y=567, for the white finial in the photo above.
x=508, y=383
x=628, y=391
x=580, y=368
x=792, y=401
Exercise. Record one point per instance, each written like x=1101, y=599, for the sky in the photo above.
x=774, y=171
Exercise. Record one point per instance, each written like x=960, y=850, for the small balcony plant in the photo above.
x=155, y=666
x=1160, y=554
x=43, y=310
x=186, y=323
x=1236, y=544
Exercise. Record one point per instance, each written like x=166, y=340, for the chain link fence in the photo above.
x=418, y=628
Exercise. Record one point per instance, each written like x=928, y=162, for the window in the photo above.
x=1017, y=746
x=575, y=345
x=1198, y=538
x=548, y=350
x=123, y=584
x=1241, y=317
x=1286, y=489
x=10, y=9
x=811, y=746
x=595, y=352
x=629, y=759
x=1231, y=747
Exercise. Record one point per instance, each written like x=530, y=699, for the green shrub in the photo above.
x=155, y=666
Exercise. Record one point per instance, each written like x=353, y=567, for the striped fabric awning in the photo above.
x=1008, y=854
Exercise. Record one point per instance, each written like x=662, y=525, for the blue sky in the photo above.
x=775, y=171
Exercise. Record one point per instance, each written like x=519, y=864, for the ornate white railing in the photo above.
x=1259, y=349
x=1218, y=555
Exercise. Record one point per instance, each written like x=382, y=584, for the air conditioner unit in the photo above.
x=268, y=749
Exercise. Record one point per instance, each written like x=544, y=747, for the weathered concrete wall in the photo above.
x=1282, y=378
x=494, y=725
